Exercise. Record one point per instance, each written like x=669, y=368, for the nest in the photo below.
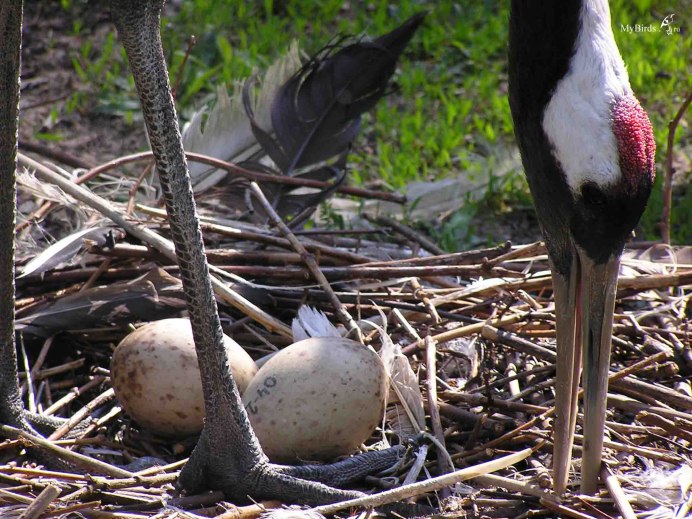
x=477, y=329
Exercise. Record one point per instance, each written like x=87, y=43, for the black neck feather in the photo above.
x=542, y=40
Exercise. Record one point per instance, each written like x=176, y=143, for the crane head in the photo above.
x=608, y=202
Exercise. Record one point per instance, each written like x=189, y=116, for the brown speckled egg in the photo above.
x=317, y=399
x=156, y=378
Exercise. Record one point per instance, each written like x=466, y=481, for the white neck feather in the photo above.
x=577, y=119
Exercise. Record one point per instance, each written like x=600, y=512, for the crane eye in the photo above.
x=593, y=195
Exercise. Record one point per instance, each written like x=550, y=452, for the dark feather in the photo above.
x=155, y=295
x=316, y=114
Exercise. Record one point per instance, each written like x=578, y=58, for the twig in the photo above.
x=309, y=260
x=661, y=393
x=191, y=42
x=431, y=384
x=669, y=170
x=363, y=272
x=671, y=428
x=524, y=251
x=518, y=343
x=535, y=420
x=70, y=456
x=80, y=415
x=564, y=510
x=249, y=511
x=162, y=245
x=616, y=491
x=455, y=258
x=406, y=232
x=464, y=331
x=74, y=393
x=252, y=175
x=514, y=486
x=267, y=238
x=420, y=293
x=55, y=154
x=100, y=483
x=41, y=503
x=430, y=485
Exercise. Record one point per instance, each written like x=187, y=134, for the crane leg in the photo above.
x=11, y=409
x=228, y=455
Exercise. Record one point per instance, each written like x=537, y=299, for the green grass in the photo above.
x=449, y=113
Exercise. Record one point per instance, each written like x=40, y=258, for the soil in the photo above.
x=49, y=79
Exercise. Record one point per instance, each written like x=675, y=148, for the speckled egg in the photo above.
x=156, y=378
x=317, y=399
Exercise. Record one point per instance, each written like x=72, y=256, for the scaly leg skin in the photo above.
x=228, y=456
x=11, y=408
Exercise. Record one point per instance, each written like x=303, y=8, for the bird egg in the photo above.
x=156, y=377
x=317, y=399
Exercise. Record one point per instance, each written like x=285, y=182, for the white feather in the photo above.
x=312, y=323
x=577, y=119
x=223, y=131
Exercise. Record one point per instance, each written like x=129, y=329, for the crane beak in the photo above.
x=584, y=304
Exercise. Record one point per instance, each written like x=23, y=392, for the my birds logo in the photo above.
x=668, y=26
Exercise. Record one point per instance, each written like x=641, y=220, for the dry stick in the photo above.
x=80, y=415
x=103, y=267
x=29, y=379
x=65, y=511
x=100, y=483
x=41, y=503
x=443, y=458
x=148, y=236
x=546, y=499
x=660, y=393
x=251, y=511
x=669, y=426
x=227, y=166
x=74, y=393
x=309, y=260
x=454, y=258
x=532, y=249
x=252, y=175
x=563, y=510
x=430, y=485
x=191, y=42
x=668, y=169
x=15, y=497
x=56, y=370
x=365, y=272
x=464, y=331
x=39, y=360
x=635, y=406
x=420, y=293
x=406, y=232
x=70, y=456
x=537, y=419
x=625, y=284
x=518, y=343
x=42, y=473
x=542, y=473
x=515, y=486
x=266, y=238
x=131, y=202
x=475, y=399
x=616, y=491
x=55, y=154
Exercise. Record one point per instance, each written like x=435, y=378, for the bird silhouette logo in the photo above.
x=667, y=23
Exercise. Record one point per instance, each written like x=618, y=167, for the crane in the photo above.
x=588, y=152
